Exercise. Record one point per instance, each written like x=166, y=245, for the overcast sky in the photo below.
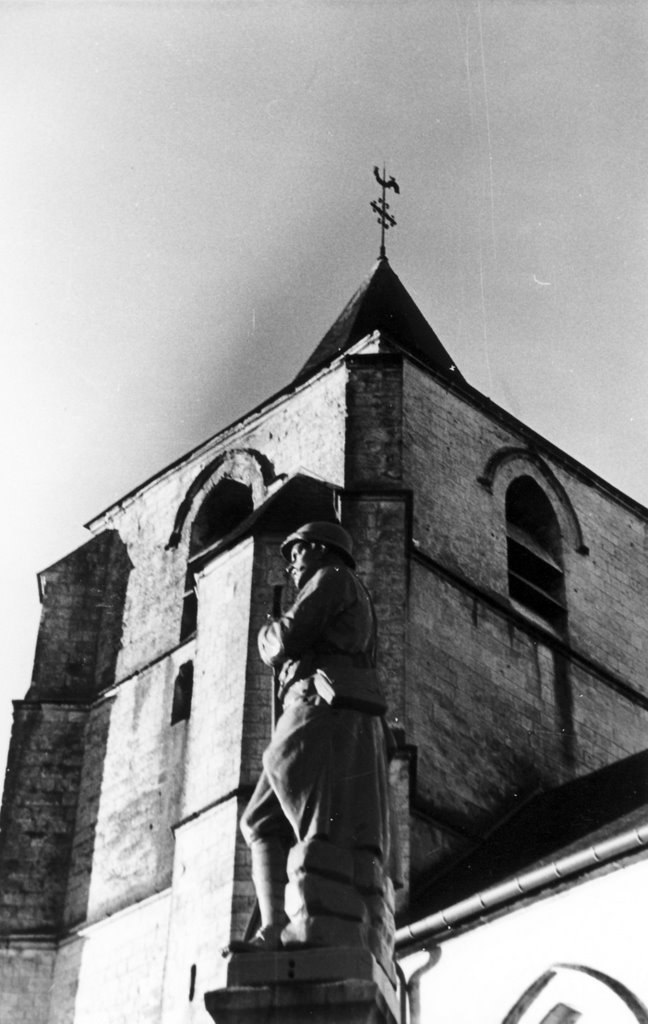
x=185, y=210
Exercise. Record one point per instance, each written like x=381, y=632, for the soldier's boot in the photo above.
x=269, y=877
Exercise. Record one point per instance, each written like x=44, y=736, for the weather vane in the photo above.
x=380, y=206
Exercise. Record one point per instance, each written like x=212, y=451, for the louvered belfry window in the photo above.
x=535, y=573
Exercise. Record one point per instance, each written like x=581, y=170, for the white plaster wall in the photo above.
x=599, y=924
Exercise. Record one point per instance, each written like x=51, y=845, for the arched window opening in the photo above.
x=223, y=509
x=535, y=574
x=227, y=505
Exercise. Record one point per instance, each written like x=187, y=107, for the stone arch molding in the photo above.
x=508, y=463
x=245, y=465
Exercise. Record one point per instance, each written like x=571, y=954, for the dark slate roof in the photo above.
x=566, y=820
x=382, y=303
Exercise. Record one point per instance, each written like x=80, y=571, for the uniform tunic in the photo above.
x=325, y=770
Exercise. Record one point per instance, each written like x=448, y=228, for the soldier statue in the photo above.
x=319, y=826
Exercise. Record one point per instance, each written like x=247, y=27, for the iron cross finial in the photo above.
x=380, y=206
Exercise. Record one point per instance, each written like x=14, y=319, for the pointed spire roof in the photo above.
x=382, y=303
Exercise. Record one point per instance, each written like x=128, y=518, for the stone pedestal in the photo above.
x=340, y=898
x=314, y=986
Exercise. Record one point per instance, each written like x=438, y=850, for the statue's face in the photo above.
x=305, y=559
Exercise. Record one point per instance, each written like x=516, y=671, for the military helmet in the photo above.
x=332, y=535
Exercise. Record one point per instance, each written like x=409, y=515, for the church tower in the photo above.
x=510, y=584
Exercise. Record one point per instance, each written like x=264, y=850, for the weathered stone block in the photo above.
x=323, y=930
x=345, y=1002
x=310, y=894
x=323, y=858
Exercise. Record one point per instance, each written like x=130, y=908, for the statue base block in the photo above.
x=323, y=986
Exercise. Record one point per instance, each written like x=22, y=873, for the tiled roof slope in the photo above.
x=571, y=818
x=382, y=303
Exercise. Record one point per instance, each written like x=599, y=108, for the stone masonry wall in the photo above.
x=151, y=775
x=496, y=713
x=38, y=814
x=375, y=509
x=207, y=836
x=124, y=844
x=302, y=431
x=497, y=706
x=201, y=912
x=85, y=826
x=122, y=968
x=268, y=574
x=448, y=442
x=111, y=612
x=65, y=980
x=215, y=729
x=25, y=980
x=81, y=620
x=378, y=524
x=373, y=452
x=492, y=708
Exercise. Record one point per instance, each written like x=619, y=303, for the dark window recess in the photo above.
x=277, y=592
x=535, y=575
x=189, y=609
x=182, y=693
x=192, y=983
x=227, y=505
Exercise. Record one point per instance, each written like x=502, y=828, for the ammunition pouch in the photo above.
x=343, y=684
